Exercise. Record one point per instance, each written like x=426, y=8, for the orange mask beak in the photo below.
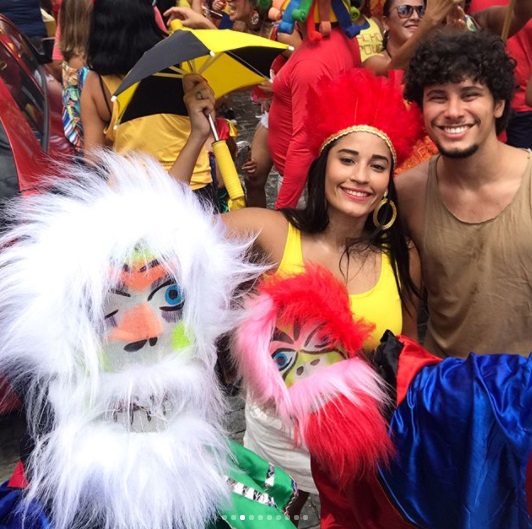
x=138, y=323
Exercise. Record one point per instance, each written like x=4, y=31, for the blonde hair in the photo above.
x=74, y=21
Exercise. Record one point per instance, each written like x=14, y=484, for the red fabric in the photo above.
x=363, y=506
x=222, y=127
x=18, y=479
x=520, y=48
x=528, y=486
x=9, y=400
x=257, y=94
x=412, y=360
x=286, y=137
x=348, y=439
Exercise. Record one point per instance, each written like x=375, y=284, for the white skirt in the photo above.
x=266, y=436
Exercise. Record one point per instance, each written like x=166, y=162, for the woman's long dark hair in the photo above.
x=120, y=32
x=314, y=218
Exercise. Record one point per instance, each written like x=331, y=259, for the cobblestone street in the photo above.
x=12, y=425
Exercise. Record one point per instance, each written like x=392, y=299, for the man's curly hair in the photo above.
x=450, y=56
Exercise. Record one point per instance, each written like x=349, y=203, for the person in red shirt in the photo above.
x=519, y=46
x=315, y=59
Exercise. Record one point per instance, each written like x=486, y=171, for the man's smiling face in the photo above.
x=460, y=117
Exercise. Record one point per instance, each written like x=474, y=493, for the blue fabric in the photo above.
x=519, y=130
x=11, y=513
x=225, y=23
x=463, y=438
x=26, y=15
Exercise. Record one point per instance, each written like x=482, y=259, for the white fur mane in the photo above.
x=55, y=275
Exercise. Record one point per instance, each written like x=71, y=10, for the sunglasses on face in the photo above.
x=406, y=11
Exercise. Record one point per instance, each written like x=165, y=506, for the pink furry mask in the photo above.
x=299, y=351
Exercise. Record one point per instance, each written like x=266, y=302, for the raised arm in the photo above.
x=435, y=15
x=493, y=18
x=199, y=100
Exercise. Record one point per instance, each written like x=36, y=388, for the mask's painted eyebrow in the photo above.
x=312, y=334
x=281, y=336
x=147, y=266
x=162, y=281
x=118, y=290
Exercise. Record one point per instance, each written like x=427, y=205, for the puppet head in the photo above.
x=300, y=351
x=114, y=288
x=318, y=16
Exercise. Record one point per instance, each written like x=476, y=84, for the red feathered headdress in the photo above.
x=357, y=101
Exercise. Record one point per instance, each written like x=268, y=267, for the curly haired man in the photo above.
x=469, y=210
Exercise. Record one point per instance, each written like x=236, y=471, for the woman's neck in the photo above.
x=392, y=48
x=343, y=228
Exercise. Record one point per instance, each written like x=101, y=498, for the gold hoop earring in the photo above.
x=384, y=203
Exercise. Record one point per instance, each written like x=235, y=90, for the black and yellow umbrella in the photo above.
x=228, y=60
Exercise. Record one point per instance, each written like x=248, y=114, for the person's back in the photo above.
x=111, y=54
x=162, y=136
x=469, y=210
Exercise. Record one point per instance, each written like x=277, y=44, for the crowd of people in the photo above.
x=387, y=125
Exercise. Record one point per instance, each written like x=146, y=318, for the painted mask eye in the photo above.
x=284, y=358
x=168, y=296
x=173, y=296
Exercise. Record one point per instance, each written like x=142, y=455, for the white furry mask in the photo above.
x=112, y=297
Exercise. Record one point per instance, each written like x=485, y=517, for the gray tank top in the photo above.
x=478, y=276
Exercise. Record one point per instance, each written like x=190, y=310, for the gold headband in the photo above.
x=362, y=128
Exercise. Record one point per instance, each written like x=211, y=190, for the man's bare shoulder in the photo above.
x=410, y=183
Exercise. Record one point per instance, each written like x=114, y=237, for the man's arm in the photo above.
x=493, y=17
x=437, y=11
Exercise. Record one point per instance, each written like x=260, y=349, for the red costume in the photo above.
x=287, y=138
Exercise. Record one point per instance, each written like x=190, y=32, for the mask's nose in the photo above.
x=138, y=325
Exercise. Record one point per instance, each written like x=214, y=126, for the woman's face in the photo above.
x=239, y=10
x=357, y=174
x=403, y=20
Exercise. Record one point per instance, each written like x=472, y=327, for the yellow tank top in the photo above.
x=380, y=305
x=162, y=136
x=370, y=40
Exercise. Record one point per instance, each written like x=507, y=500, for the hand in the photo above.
x=249, y=167
x=189, y=18
x=218, y=5
x=456, y=19
x=199, y=100
x=266, y=86
x=437, y=10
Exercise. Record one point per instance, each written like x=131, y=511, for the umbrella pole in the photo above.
x=214, y=130
x=227, y=169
